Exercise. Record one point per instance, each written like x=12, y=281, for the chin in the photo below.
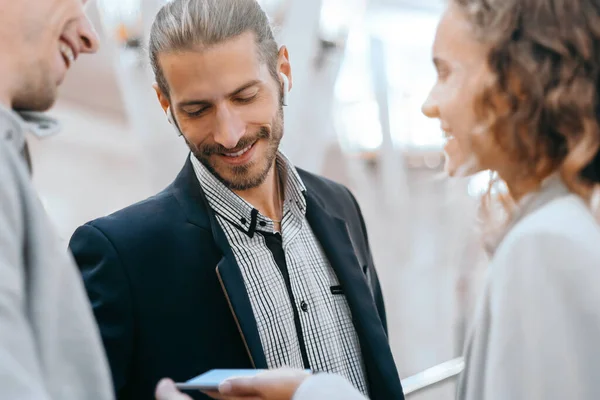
x=43, y=101
x=241, y=177
x=465, y=168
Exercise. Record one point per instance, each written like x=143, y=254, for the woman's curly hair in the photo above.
x=543, y=106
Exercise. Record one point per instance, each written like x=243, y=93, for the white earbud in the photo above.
x=286, y=88
x=172, y=121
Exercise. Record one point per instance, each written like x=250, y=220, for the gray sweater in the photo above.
x=50, y=346
x=538, y=321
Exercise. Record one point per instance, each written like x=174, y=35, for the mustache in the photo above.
x=210, y=149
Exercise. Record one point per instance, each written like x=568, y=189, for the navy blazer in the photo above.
x=170, y=300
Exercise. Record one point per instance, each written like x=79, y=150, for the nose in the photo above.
x=88, y=38
x=430, y=107
x=230, y=128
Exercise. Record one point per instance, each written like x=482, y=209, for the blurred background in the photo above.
x=362, y=69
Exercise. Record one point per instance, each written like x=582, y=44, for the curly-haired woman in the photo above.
x=518, y=93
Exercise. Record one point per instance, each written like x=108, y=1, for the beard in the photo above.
x=251, y=174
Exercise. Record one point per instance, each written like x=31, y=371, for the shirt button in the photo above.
x=262, y=223
x=9, y=135
x=243, y=221
x=304, y=306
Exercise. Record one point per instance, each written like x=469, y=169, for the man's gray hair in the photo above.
x=196, y=24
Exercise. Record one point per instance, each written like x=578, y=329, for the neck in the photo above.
x=266, y=198
x=518, y=188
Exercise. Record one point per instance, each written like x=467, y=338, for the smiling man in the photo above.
x=244, y=261
x=50, y=347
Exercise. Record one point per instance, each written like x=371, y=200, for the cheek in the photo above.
x=456, y=110
x=251, y=116
x=260, y=113
x=460, y=115
x=197, y=135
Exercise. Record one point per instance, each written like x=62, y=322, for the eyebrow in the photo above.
x=237, y=91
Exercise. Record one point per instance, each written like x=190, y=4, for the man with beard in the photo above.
x=244, y=261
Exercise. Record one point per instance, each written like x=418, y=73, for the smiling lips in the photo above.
x=239, y=153
x=67, y=52
x=241, y=157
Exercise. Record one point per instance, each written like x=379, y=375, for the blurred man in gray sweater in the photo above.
x=49, y=342
x=50, y=347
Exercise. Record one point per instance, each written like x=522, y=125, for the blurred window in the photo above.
x=407, y=37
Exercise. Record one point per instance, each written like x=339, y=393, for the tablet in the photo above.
x=212, y=379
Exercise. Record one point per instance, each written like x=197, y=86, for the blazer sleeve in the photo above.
x=20, y=371
x=544, y=321
x=371, y=273
x=327, y=387
x=108, y=289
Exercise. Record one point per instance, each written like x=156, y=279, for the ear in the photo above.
x=283, y=64
x=162, y=99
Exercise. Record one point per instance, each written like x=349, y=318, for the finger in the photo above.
x=166, y=390
x=242, y=387
x=252, y=397
x=243, y=398
x=219, y=396
x=213, y=394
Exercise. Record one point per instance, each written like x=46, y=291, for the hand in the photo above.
x=166, y=390
x=278, y=384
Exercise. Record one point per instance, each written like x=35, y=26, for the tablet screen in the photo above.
x=212, y=379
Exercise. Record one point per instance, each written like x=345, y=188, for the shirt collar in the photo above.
x=13, y=129
x=242, y=214
x=16, y=124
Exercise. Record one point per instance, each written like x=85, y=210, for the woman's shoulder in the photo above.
x=552, y=256
x=561, y=230
x=567, y=217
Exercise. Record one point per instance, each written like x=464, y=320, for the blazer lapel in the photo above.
x=332, y=233
x=191, y=197
x=232, y=282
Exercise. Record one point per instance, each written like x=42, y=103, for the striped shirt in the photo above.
x=302, y=315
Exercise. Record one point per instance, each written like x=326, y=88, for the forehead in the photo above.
x=214, y=69
x=455, y=37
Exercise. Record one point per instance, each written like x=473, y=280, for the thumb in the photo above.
x=239, y=387
x=166, y=390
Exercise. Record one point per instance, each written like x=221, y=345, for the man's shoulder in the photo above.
x=159, y=210
x=323, y=187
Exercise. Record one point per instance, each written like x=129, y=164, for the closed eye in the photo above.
x=196, y=113
x=441, y=68
x=245, y=100
x=442, y=73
